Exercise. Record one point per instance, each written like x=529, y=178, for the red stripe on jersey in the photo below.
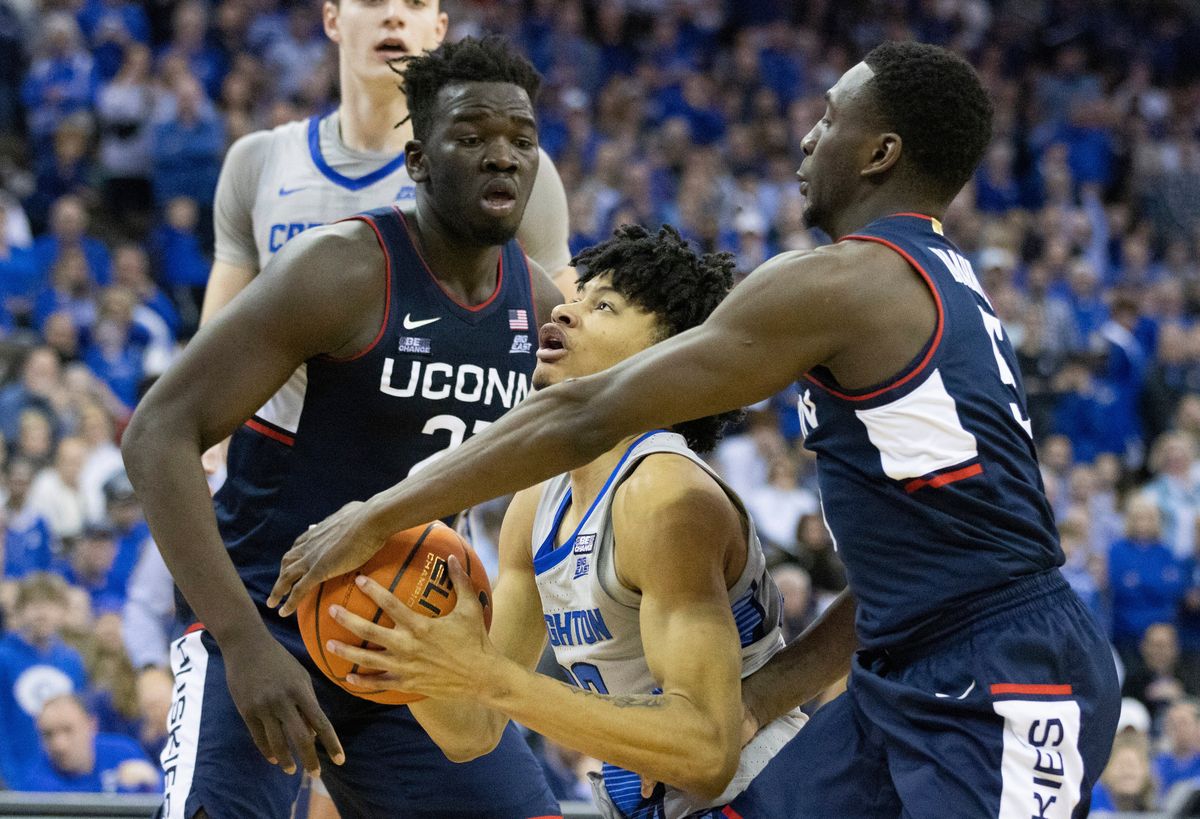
x=387, y=293
x=944, y=478
x=915, y=215
x=193, y=628
x=274, y=434
x=937, y=333
x=1037, y=690
x=730, y=813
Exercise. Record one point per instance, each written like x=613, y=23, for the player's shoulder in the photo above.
x=671, y=486
x=253, y=148
x=349, y=247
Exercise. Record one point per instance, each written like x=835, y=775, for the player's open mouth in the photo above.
x=500, y=197
x=392, y=49
x=552, y=343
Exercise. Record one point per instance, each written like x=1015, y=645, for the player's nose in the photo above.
x=565, y=314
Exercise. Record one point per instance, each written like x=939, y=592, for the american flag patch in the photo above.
x=518, y=320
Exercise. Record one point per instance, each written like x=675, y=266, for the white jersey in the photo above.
x=594, y=627
x=276, y=184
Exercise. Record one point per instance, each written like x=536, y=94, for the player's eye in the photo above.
x=523, y=143
x=469, y=141
x=604, y=305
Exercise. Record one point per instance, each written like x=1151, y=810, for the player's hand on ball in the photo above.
x=343, y=541
x=274, y=695
x=438, y=657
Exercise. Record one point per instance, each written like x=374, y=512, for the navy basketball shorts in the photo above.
x=392, y=767
x=1011, y=716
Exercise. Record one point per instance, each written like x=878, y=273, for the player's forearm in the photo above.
x=806, y=666
x=164, y=468
x=463, y=729
x=665, y=737
x=554, y=430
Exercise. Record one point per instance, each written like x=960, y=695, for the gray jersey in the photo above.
x=594, y=627
x=276, y=184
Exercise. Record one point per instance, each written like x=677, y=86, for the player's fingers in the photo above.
x=277, y=742
x=290, y=571
x=648, y=786
x=300, y=736
x=320, y=724
x=260, y=740
x=368, y=658
x=364, y=628
x=467, y=599
x=307, y=581
x=389, y=681
x=400, y=613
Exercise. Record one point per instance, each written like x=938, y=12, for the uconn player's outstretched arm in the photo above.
x=287, y=315
x=675, y=529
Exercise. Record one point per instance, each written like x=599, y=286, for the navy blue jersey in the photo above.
x=929, y=482
x=437, y=372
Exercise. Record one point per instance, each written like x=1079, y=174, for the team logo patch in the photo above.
x=581, y=567
x=584, y=544
x=518, y=320
x=416, y=346
x=521, y=344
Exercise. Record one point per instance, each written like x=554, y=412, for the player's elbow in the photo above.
x=468, y=746
x=709, y=772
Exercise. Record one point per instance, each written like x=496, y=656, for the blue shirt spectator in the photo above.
x=187, y=149
x=74, y=757
x=111, y=25
x=1147, y=582
x=59, y=82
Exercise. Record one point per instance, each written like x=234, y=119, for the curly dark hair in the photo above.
x=933, y=99
x=491, y=59
x=662, y=275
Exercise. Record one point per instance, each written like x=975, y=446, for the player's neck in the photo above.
x=881, y=204
x=467, y=272
x=587, y=481
x=368, y=119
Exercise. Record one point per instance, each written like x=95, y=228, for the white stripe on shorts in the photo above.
x=189, y=662
x=1042, y=769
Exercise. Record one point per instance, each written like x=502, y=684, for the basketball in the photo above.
x=412, y=565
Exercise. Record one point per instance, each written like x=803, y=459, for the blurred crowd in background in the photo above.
x=1083, y=223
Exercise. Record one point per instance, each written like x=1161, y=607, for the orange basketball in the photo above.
x=412, y=564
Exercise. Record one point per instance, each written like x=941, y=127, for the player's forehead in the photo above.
x=849, y=85
x=600, y=283
x=471, y=100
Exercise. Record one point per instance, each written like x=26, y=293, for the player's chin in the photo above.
x=545, y=375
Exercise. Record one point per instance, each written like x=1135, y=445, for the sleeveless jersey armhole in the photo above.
x=387, y=298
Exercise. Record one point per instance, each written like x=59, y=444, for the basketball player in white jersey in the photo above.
x=276, y=184
x=642, y=568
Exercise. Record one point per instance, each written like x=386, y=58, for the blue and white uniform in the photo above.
x=930, y=487
x=593, y=623
x=437, y=372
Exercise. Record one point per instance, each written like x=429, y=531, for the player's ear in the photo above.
x=329, y=19
x=414, y=160
x=884, y=154
x=443, y=25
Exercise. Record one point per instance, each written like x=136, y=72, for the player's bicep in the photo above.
x=293, y=311
x=225, y=281
x=517, y=629
x=543, y=232
x=687, y=627
x=771, y=329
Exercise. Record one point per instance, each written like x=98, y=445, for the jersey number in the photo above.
x=995, y=332
x=457, y=428
x=587, y=676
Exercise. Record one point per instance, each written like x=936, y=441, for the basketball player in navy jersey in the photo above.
x=416, y=330
x=982, y=687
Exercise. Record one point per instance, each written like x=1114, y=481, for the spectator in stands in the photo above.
x=113, y=28
x=1154, y=677
x=71, y=291
x=1084, y=569
x=1175, y=489
x=1146, y=580
x=61, y=79
x=19, y=279
x=88, y=565
x=778, y=506
x=187, y=148
x=154, y=690
x=148, y=619
x=124, y=513
x=1127, y=784
x=56, y=493
x=799, y=604
x=66, y=169
x=28, y=541
x=190, y=43
x=103, y=461
x=815, y=552
x=177, y=253
x=69, y=224
x=40, y=388
x=155, y=310
x=112, y=694
x=35, y=665
x=35, y=436
x=75, y=757
x=62, y=335
x=1180, y=758
x=117, y=349
x=126, y=108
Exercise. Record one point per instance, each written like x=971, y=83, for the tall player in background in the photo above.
x=415, y=327
x=642, y=568
x=275, y=184
x=983, y=687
